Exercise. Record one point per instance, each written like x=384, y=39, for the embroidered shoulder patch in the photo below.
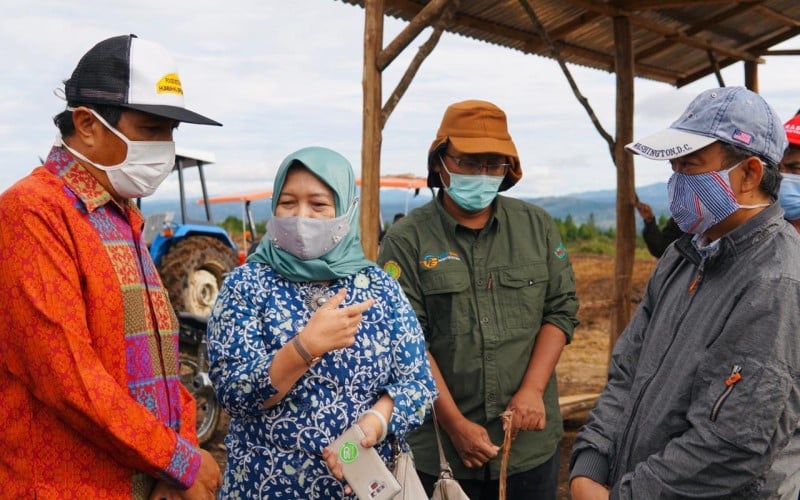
x=392, y=268
x=430, y=261
x=560, y=251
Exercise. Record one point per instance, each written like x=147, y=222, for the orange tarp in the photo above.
x=403, y=181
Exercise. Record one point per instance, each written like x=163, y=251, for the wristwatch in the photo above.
x=301, y=350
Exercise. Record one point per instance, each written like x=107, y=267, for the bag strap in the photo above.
x=444, y=466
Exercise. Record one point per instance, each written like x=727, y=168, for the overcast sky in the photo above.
x=281, y=75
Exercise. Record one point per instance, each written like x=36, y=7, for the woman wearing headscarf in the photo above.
x=308, y=337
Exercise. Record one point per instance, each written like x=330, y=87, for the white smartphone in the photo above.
x=363, y=468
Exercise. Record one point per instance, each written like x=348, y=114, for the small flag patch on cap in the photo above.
x=741, y=136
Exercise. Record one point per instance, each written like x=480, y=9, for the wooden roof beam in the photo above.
x=570, y=27
x=634, y=5
x=561, y=32
x=713, y=24
x=424, y=18
x=669, y=33
x=699, y=25
x=778, y=17
x=532, y=44
x=766, y=39
x=786, y=52
x=607, y=62
x=410, y=9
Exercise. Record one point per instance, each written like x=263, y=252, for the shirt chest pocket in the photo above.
x=521, y=295
x=447, y=301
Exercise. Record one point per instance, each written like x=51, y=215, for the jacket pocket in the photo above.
x=744, y=404
x=521, y=295
x=447, y=301
x=730, y=383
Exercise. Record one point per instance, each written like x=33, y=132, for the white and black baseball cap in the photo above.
x=132, y=73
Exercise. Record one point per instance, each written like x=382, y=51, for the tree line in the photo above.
x=585, y=237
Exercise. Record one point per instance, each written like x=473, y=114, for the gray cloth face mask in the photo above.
x=308, y=238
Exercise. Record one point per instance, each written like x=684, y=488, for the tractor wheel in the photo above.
x=208, y=409
x=192, y=272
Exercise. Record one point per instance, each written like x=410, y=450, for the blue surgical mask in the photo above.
x=790, y=196
x=701, y=201
x=472, y=192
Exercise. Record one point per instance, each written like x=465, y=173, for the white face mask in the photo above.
x=146, y=164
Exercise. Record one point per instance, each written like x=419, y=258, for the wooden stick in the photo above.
x=508, y=417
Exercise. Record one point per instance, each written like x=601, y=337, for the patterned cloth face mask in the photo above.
x=307, y=238
x=472, y=192
x=699, y=202
x=790, y=196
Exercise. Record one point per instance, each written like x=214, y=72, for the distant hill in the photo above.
x=394, y=201
x=602, y=204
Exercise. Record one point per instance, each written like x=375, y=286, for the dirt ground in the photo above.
x=582, y=368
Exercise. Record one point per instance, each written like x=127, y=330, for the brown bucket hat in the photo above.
x=475, y=127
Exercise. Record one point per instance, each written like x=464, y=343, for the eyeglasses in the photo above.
x=492, y=167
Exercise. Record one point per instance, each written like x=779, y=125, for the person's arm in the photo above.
x=46, y=344
x=559, y=317
x=651, y=234
x=240, y=347
x=594, y=446
x=470, y=440
x=411, y=386
x=331, y=327
x=732, y=443
x=671, y=231
x=654, y=239
x=252, y=366
x=528, y=402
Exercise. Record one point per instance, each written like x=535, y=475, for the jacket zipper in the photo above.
x=625, y=435
x=696, y=282
x=734, y=377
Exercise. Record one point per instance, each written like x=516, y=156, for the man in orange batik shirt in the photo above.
x=90, y=398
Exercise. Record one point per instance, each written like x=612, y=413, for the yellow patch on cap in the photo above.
x=392, y=268
x=169, y=84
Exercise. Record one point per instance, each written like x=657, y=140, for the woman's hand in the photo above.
x=333, y=327
x=371, y=427
x=335, y=466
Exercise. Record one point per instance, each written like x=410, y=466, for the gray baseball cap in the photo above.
x=733, y=115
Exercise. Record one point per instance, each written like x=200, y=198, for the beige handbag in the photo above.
x=447, y=487
x=406, y=474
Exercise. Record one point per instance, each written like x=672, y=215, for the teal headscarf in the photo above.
x=346, y=258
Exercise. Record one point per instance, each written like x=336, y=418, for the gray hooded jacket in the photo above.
x=703, y=394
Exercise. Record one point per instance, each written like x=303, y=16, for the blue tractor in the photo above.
x=192, y=258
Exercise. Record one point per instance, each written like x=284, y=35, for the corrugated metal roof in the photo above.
x=675, y=41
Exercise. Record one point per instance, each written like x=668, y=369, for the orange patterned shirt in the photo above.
x=90, y=400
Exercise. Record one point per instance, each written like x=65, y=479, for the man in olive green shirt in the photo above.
x=494, y=291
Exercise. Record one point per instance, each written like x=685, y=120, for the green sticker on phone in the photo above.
x=348, y=452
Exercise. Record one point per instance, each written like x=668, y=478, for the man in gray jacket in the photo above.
x=703, y=394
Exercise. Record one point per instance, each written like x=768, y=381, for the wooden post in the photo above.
x=626, y=227
x=372, y=127
x=751, y=75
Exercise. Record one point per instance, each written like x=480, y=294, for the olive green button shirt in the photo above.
x=481, y=297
